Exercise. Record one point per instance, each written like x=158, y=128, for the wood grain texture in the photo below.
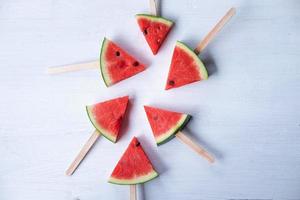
x=245, y=114
x=73, y=67
x=132, y=192
x=83, y=152
x=153, y=7
x=194, y=146
x=215, y=30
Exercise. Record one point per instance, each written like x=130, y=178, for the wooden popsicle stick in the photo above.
x=188, y=141
x=83, y=152
x=132, y=192
x=211, y=35
x=153, y=7
x=72, y=68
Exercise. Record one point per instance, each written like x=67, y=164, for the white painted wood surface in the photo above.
x=247, y=113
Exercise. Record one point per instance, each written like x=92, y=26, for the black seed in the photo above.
x=117, y=53
x=136, y=63
x=171, y=82
x=137, y=144
x=145, y=32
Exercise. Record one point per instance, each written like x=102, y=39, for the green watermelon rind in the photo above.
x=104, y=73
x=155, y=18
x=97, y=126
x=201, y=67
x=173, y=130
x=137, y=180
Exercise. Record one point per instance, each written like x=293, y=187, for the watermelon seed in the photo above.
x=117, y=53
x=145, y=32
x=171, y=82
x=136, y=63
x=137, y=144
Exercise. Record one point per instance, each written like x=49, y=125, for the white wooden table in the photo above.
x=247, y=113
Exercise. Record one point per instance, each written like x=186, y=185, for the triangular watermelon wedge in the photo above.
x=186, y=67
x=116, y=64
x=134, y=166
x=155, y=30
x=107, y=116
x=165, y=124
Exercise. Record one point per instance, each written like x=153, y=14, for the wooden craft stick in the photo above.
x=132, y=192
x=153, y=7
x=85, y=149
x=72, y=68
x=188, y=141
x=211, y=35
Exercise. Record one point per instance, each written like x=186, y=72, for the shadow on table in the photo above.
x=153, y=156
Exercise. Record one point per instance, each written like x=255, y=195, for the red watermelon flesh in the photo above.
x=155, y=30
x=134, y=166
x=116, y=64
x=164, y=123
x=107, y=116
x=186, y=67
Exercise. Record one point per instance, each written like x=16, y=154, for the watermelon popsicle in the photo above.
x=154, y=28
x=134, y=167
x=186, y=67
x=107, y=119
x=166, y=124
x=115, y=64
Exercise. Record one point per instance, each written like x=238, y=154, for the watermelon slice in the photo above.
x=134, y=166
x=155, y=30
x=186, y=67
x=116, y=64
x=107, y=116
x=165, y=124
